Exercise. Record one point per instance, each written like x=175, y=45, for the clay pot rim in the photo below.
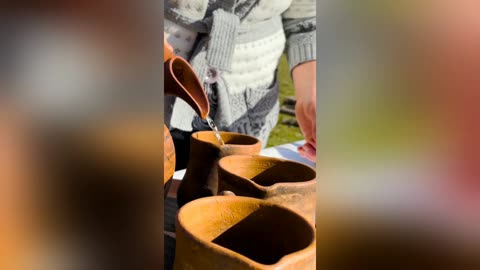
x=256, y=141
x=276, y=160
x=296, y=256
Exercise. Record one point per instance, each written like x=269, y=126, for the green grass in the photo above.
x=282, y=134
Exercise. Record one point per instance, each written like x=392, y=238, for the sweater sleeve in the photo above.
x=299, y=22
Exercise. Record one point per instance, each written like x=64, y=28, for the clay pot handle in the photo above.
x=226, y=193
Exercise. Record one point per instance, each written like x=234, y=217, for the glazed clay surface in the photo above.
x=285, y=182
x=233, y=232
x=201, y=177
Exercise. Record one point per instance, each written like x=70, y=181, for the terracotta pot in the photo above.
x=168, y=146
x=201, y=178
x=168, y=158
x=285, y=182
x=180, y=81
x=230, y=232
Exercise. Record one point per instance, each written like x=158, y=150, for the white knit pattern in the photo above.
x=267, y=9
x=181, y=39
x=301, y=9
x=254, y=63
x=289, y=9
x=192, y=8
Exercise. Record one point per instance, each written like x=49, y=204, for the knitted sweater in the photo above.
x=242, y=41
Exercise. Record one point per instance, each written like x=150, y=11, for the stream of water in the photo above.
x=215, y=130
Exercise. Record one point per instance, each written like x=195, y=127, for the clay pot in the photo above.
x=180, y=81
x=230, y=232
x=168, y=147
x=201, y=177
x=169, y=156
x=285, y=182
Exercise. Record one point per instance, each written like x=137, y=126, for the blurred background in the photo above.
x=80, y=133
x=399, y=174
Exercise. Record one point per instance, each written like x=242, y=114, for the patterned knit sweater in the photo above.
x=241, y=41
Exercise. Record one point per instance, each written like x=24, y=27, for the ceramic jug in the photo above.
x=201, y=178
x=285, y=182
x=233, y=232
x=180, y=81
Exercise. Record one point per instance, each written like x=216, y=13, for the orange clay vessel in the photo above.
x=180, y=81
x=241, y=233
x=285, y=182
x=201, y=177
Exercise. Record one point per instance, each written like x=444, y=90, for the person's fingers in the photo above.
x=306, y=117
x=301, y=151
x=309, y=148
x=309, y=131
x=313, y=137
x=313, y=125
x=308, y=151
x=309, y=156
x=304, y=123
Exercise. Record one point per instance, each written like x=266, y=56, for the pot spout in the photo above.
x=181, y=81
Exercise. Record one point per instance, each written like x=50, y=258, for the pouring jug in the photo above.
x=180, y=81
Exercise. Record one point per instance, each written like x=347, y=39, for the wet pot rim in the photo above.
x=295, y=256
x=307, y=183
x=255, y=142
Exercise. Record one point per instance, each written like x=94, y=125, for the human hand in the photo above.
x=308, y=151
x=304, y=78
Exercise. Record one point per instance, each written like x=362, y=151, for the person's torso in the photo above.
x=258, y=46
